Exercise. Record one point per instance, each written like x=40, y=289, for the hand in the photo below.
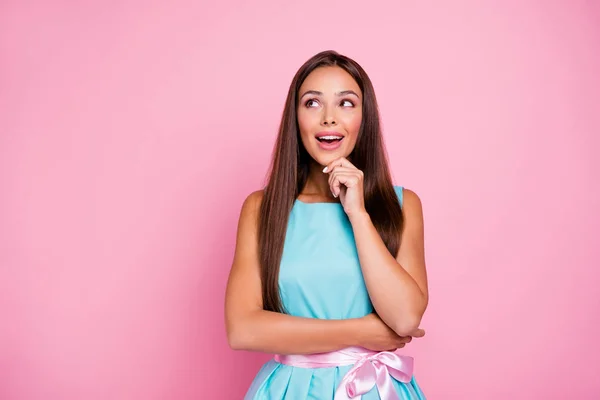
x=380, y=337
x=346, y=181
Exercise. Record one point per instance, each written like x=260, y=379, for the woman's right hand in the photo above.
x=377, y=336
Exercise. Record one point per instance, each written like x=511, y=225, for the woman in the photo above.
x=329, y=269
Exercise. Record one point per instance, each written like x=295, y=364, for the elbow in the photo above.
x=233, y=340
x=407, y=325
x=240, y=330
x=239, y=336
x=409, y=322
x=236, y=339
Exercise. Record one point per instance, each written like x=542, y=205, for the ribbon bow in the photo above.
x=375, y=369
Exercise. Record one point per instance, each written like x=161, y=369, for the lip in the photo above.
x=328, y=133
x=329, y=146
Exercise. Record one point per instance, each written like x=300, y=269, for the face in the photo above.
x=329, y=113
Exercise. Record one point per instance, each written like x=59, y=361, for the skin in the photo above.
x=330, y=100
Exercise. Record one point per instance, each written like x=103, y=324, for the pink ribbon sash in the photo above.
x=370, y=368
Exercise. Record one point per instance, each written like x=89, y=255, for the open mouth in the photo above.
x=329, y=139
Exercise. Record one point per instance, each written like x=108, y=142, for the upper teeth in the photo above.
x=330, y=137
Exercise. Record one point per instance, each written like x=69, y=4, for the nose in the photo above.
x=328, y=118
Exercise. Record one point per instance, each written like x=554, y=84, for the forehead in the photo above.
x=329, y=79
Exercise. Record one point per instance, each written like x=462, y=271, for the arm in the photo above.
x=397, y=286
x=249, y=327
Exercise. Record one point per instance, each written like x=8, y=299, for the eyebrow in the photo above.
x=339, y=94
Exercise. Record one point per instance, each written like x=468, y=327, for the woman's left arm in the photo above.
x=397, y=286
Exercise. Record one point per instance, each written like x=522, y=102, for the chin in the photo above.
x=325, y=159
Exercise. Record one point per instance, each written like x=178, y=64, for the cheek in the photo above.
x=302, y=122
x=353, y=123
x=306, y=123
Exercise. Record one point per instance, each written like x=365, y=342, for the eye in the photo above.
x=311, y=103
x=347, y=103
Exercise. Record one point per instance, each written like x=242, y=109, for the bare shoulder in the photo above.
x=256, y=196
x=251, y=206
x=412, y=209
x=411, y=202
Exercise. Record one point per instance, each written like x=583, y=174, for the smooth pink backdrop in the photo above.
x=131, y=133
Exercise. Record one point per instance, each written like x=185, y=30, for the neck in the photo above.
x=317, y=184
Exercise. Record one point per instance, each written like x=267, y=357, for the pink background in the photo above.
x=130, y=135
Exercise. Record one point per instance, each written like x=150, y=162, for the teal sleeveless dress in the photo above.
x=320, y=277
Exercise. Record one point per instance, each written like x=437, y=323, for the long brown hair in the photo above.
x=289, y=171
